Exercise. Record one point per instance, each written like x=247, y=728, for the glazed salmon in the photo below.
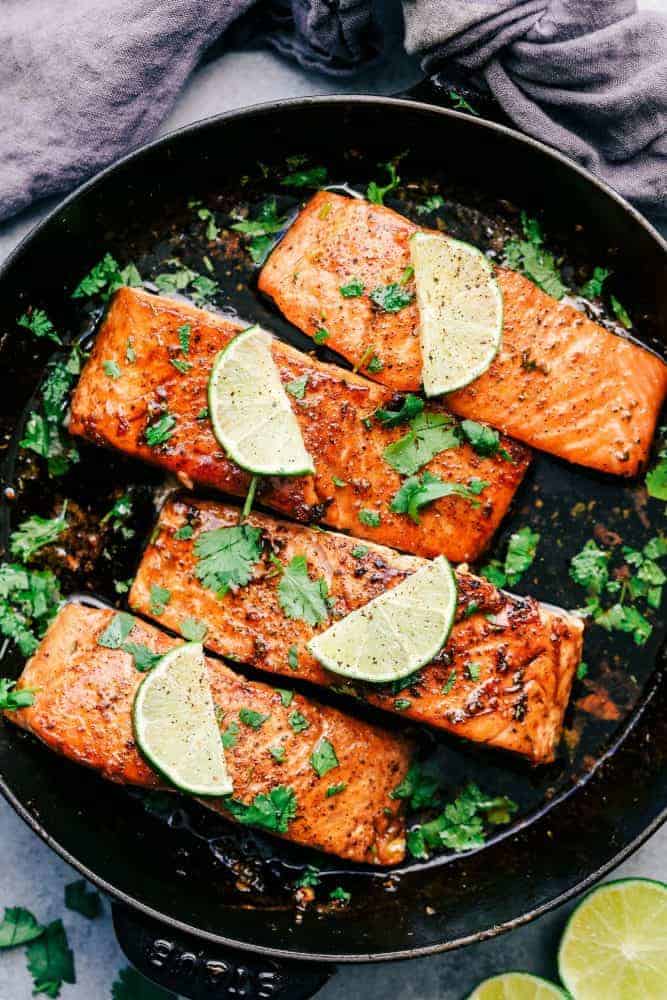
x=83, y=710
x=353, y=485
x=560, y=382
x=504, y=678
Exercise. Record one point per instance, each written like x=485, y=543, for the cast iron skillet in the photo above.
x=178, y=914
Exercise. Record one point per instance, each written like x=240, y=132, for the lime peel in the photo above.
x=250, y=411
x=460, y=311
x=396, y=633
x=175, y=725
x=517, y=986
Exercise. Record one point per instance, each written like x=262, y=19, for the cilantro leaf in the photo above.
x=521, y=551
x=656, y=479
x=620, y=313
x=530, y=257
x=323, y=758
x=460, y=826
x=592, y=289
x=391, y=298
x=431, y=204
x=582, y=670
x=278, y=753
x=297, y=387
x=352, y=290
x=298, y=721
x=131, y=985
x=293, y=657
x=416, y=492
x=622, y=618
x=459, y=103
x=40, y=325
x=193, y=630
x=484, y=440
x=118, y=629
x=105, y=278
x=44, y=431
x=18, y=927
x=12, y=699
x=370, y=518
x=230, y=736
x=184, y=333
x=340, y=895
x=261, y=229
x=81, y=899
x=255, y=720
x=411, y=406
x=429, y=434
x=119, y=514
x=420, y=788
x=272, y=812
x=144, y=658
x=310, y=878
x=226, y=556
x=159, y=599
x=36, y=532
x=590, y=569
x=376, y=192
x=111, y=369
x=50, y=961
x=200, y=288
x=299, y=596
x=160, y=430
x=314, y=177
x=375, y=365
x=29, y=599
x=336, y=789
x=286, y=697
x=184, y=533
x=320, y=335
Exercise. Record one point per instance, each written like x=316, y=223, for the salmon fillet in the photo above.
x=83, y=710
x=115, y=412
x=504, y=677
x=560, y=382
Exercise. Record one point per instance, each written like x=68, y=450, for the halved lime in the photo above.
x=250, y=411
x=396, y=633
x=615, y=943
x=460, y=311
x=517, y=986
x=175, y=725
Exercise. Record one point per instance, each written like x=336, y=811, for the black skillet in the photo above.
x=201, y=907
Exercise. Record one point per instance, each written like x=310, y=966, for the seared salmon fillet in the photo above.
x=560, y=382
x=503, y=678
x=83, y=710
x=352, y=476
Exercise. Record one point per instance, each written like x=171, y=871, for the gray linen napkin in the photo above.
x=84, y=81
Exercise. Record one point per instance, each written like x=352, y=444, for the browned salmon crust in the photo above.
x=115, y=412
x=83, y=710
x=504, y=678
x=560, y=382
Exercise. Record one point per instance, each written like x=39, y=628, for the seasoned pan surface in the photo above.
x=608, y=788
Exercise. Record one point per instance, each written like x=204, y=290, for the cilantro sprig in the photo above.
x=461, y=824
x=417, y=491
x=656, y=478
x=529, y=256
x=261, y=229
x=226, y=557
x=36, y=532
x=45, y=433
x=29, y=599
x=39, y=324
x=299, y=596
x=105, y=278
x=273, y=812
x=375, y=192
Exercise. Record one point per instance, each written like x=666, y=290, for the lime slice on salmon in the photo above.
x=615, y=943
x=175, y=725
x=517, y=986
x=396, y=633
x=460, y=311
x=250, y=411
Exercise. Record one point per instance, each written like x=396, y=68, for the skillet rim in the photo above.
x=267, y=108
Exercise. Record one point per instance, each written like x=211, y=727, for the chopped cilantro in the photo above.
x=460, y=826
x=375, y=365
x=144, y=658
x=298, y=721
x=12, y=699
x=315, y=177
x=321, y=335
x=582, y=670
x=323, y=758
x=226, y=556
x=473, y=670
x=459, y=103
x=416, y=492
x=207, y=216
x=105, y=278
x=44, y=431
x=336, y=789
x=230, y=736
x=592, y=289
x=160, y=431
x=184, y=333
x=359, y=551
x=181, y=366
x=203, y=414
x=340, y=895
x=376, y=192
x=401, y=704
x=200, y=288
x=620, y=313
x=353, y=289
x=449, y=683
x=272, y=812
x=83, y=900
x=159, y=599
x=193, y=630
x=419, y=787
x=111, y=369
x=286, y=697
x=255, y=720
x=656, y=478
x=411, y=406
x=340, y=483
x=310, y=878
x=520, y=555
x=184, y=532
x=118, y=515
x=18, y=927
x=370, y=518
x=530, y=257
x=39, y=325
x=297, y=387
x=429, y=434
x=391, y=298
x=590, y=568
x=36, y=532
x=117, y=631
x=278, y=754
x=29, y=600
x=299, y=596
x=50, y=960
x=431, y=204
x=261, y=229
x=293, y=657
x=484, y=440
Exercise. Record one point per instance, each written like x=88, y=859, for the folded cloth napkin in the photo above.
x=82, y=82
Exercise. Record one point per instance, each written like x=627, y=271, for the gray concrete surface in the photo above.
x=32, y=876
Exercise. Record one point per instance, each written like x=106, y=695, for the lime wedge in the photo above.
x=251, y=414
x=517, y=986
x=615, y=943
x=175, y=725
x=396, y=633
x=460, y=311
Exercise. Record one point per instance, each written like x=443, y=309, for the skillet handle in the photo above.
x=196, y=970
